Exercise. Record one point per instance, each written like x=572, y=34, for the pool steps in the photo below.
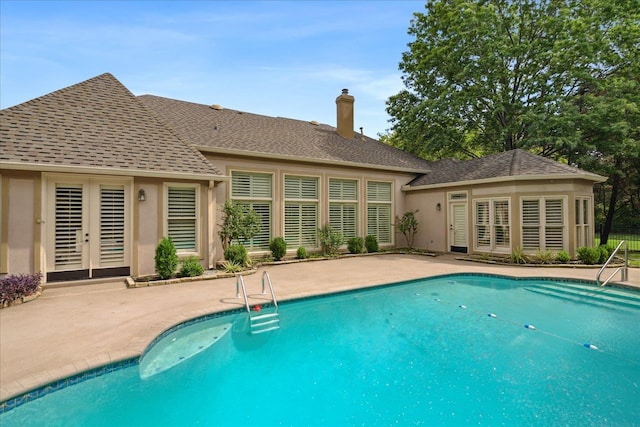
x=607, y=297
x=265, y=322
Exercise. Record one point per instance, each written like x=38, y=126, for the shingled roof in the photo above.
x=212, y=129
x=513, y=164
x=99, y=126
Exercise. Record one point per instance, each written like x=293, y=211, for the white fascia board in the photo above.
x=586, y=176
x=276, y=157
x=44, y=167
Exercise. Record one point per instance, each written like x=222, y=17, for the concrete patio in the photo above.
x=68, y=330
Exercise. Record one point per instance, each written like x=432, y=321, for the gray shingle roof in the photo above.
x=225, y=130
x=514, y=163
x=96, y=124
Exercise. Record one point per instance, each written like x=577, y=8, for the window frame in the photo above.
x=197, y=218
x=545, y=229
x=343, y=203
x=377, y=203
x=491, y=225
x=302, y=204
x=251, y=201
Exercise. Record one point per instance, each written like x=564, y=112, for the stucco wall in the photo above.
x=22, y=221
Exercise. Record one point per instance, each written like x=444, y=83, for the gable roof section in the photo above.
x=96, y=126
x=514, y=164
x=236, y=132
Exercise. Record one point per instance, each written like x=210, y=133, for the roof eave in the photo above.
x=586, y=176
x=42, y=167
x=270, y=156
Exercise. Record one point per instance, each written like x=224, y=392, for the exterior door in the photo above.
x=87, y=229
x=458, y=227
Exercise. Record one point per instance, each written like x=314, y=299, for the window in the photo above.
x=301, y=211
x=492, y=224
x=583, y=221
x=254, y=191
x=543, y=224
x=379, y=210
x=182, y=217
x=343, y=206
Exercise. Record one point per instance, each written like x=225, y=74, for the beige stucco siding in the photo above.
x=21, y=218
x=280, y=169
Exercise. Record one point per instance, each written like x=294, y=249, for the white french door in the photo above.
x=88, y=228
x=458, y=241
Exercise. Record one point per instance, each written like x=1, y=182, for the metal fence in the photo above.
x=630, y=234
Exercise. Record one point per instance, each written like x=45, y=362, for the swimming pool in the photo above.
x=447, y=350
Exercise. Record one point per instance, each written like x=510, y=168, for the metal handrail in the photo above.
x=624, y=269
x=273, y=294
x=240, y=282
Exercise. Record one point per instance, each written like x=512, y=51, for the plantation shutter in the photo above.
x=112, y=225
x=343, y=197
x=483, y=236
x=379, y=210
x=254, y=191
x=501, y=223
x=182, y=217
x=554, y=225
x=301, y=211
x=531, y=224
x=68, y=227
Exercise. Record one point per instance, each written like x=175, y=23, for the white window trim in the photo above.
x=492, y=247
x=355, y=202
x=198, y=218
x=286, y=200
x=543, y=220
x=589, y=225
x=391, y=204
x=270, y=200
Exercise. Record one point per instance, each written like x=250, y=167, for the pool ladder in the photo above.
x=624, y=269
x=260, y=323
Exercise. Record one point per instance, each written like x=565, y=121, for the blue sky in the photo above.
x=281, y=58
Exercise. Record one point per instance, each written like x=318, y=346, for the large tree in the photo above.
x=548, y=76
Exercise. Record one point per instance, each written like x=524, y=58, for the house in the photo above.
x=92, y=177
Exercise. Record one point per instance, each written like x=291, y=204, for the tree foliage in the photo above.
x=239, y=223
x=555, y=77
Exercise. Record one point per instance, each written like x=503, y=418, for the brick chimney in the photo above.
x=344, y=108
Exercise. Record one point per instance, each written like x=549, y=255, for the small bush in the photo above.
x=329, y=240
x=563, y=257
x=301, y=253
x=518, y=256
x=588, y=256
x=236, y=254
x=605, y=253
x=16, y=286
x=371, y=243
x=545, y=257
x=166, y=258
x=191, y=267
x=355, y=245
x=278, y=248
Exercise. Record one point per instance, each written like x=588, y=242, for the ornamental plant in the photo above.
x=15, y=286
x=355, y=245
x=278, y=248
x=236, y=254
x=301, y=253
x=329, y=239
x=166, y=258
x=191, y=267
x=239, y=224
x=371, y=243
x=408, y=226
x=588, y=255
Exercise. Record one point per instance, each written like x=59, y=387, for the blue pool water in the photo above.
x=445, y=351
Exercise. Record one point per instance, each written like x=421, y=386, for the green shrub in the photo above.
x=371, y=243
x=605, y=253
x=329, y=240
x=166, y=258
x=301, y=253
x=545, y=257
x=278, y=248
x=518, y=256
x=191, y=267
x=355, y=245
x=239, y=224
x=408, y=226
x=563, y=257
x=236, y=254
x=588, y=256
